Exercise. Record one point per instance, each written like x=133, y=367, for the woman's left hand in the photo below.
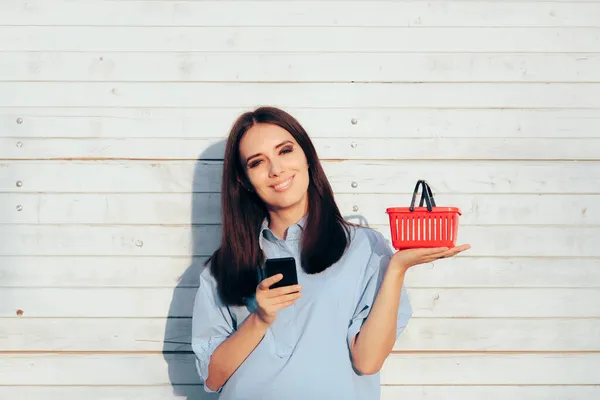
x=405, y=259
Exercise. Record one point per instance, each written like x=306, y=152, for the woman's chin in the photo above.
x=285, y=201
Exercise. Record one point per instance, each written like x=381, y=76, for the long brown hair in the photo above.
x=236, y=263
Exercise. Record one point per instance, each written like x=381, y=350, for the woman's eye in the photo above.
x=254, y=163
x=287, y=150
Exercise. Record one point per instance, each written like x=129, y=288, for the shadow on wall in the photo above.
x=177, y=349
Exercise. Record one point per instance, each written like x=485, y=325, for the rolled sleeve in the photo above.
x=370, y=285
x=211, y=324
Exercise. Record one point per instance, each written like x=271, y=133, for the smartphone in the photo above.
x=285, y=266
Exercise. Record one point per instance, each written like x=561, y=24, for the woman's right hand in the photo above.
x=272, y=300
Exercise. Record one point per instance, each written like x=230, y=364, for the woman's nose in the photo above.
x=276, y=168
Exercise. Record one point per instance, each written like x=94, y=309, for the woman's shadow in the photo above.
x=205, y=215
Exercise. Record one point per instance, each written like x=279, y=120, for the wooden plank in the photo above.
x=302, y=39
x=305, y=67
x=421, y=334
x=493, y=369
x=416, y=392
x=157, y=392
x=326, y=13
x=111, y=271
x=429, y=303
x=205, y=208
x=202, y=240
x=390, y=177
x=388, y=392
x=368, y=122
x=105, y=240
x=570, y=149
x=399, y=369
x=227, y=94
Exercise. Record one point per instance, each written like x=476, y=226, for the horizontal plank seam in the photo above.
x=306, y=108
x=564, y=317
x=404, y=138
x=308, y=82
x=183, y=352
x=208, y=255
x=386, y=385
x=204, y=257
x=187, y=225
x=173, y=287
x=355, y=26
x=348, y=81
x=285, y=53
x=491, y=385
x=484, y=158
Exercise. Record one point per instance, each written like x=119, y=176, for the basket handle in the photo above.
x=426, y=196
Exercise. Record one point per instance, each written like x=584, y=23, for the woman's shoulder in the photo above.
x=373, y=239
x=206, y=279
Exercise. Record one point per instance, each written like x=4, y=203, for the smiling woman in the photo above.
x=326, y=336
x=272, y=174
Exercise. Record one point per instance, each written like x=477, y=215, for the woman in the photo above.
x=328, y=336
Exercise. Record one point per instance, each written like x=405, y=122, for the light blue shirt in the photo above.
x=305, y=353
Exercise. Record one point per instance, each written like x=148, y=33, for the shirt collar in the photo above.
x=294, y=231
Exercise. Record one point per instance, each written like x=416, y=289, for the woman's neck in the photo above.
x=281, y=220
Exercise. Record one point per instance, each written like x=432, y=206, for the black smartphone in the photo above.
x=285, y=266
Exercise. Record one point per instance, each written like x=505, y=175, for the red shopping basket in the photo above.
x=429, y=226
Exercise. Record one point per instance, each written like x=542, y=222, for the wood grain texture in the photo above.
x=570, y=149
x=389, y=177
x=413, y=392
x=426, y=303
x=285, y=95
x=304, y=67
x=205, y=208
x=197, y=123
x=300, y=13
x=302, y=39
x=202, y=240
x=422, y=334
x=112, y=121
x=466, y=271
x=415, y=369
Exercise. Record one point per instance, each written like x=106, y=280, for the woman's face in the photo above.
x=275, y=165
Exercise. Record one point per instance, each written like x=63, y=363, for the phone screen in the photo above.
x=285, y=266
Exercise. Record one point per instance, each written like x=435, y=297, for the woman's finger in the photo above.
x=283, y=305
x=285, y=298
x=432, y=251
x=455, y=250
x=283, y=290
x=267, y=283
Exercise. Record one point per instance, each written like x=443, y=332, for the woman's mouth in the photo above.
x=280, y=187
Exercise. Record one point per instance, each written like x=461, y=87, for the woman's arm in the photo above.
x=230, y=354
x=377, y=336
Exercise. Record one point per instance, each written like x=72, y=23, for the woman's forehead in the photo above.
x=262, y=137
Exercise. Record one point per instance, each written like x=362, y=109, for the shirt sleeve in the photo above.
x=369, y=287
x=211, y=325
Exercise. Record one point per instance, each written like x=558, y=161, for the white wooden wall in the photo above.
x=105, y=107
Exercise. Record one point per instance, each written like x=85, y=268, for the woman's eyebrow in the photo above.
x=278, y=146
